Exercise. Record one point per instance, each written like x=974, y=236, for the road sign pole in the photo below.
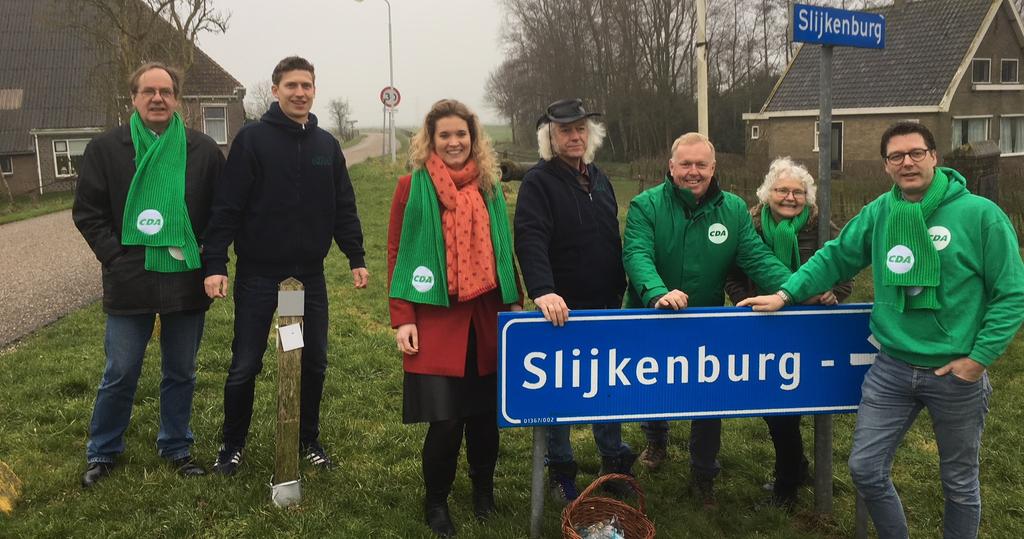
x=823, y=423
x=540, y=448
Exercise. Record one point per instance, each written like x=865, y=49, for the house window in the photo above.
x=215, y=123
x=67, y=154
x=1009, y=72
x=836, y=144
x=6, y=165
x=755, y=132
x=1011, y=135
x=980, y=70
x=967, y=130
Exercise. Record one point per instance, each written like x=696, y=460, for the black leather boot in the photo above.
x=622, y=464
x=435, y=509
x=483, y=493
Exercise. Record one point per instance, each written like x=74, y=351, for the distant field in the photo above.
x=499, y=133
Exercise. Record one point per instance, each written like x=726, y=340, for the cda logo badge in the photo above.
x=422, y=279
x=149, y=222
x=899, y=260
x=940, y=237
x=717, y=233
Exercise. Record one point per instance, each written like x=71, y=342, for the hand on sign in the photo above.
x=825, y=298
x=767, y=303
x=675, y=300
x=408, y=339
x=216, y=286
x=553, y=307
x=964, y=368
x=515, y=307
x=360, y=277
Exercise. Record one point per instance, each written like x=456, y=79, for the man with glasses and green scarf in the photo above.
x=143, y=198
x=949, y=298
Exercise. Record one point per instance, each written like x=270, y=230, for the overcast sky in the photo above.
x=442, y=48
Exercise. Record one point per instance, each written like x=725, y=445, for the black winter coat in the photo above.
x=104, y=178
x=567, y=239
x=284, y=195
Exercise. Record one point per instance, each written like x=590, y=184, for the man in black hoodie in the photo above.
x=284, y=195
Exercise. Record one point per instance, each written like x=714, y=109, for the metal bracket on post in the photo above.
x=540, y=449
x=286, y=488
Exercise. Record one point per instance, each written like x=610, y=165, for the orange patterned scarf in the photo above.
x=466, y=227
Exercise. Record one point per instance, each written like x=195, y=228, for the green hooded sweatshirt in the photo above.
x=981, y=283
x=671, y=242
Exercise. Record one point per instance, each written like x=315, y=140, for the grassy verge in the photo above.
x=49, y=383
x=353, y=141
x=26, y=207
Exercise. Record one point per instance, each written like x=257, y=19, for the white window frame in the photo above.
x=842, y=147
x=988, y=127
x=67, y=146
x=224, y=107
x=755, y=132
x=988, y=80
x=1007, y=116
x=8, y=160
x=1007, y=61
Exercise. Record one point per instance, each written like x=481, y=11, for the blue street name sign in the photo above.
x=829, y=26
x=636, y=365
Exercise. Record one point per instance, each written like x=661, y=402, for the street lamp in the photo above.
x=391, y=69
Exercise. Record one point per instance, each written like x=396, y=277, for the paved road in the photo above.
x=48, y=270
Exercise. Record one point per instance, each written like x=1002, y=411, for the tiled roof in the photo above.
x=925, y=43
x=58, y=75
x=51, y=67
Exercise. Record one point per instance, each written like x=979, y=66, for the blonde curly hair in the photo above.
x=481, y=150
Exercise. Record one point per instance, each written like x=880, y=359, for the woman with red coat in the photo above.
x=451, y=270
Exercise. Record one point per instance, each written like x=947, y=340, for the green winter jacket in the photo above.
x=671, y=242
x=981, y=288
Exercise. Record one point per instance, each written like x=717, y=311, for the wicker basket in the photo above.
x=587, y=509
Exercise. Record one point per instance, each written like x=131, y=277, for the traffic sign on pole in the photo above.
x=390, y=97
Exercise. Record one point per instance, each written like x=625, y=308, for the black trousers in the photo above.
x=790, y=463
x=441, y=453
x=255, y=303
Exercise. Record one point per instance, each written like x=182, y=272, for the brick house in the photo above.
x=953, y=65
x=52, y=102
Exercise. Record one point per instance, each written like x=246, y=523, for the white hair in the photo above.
x=786, y=167
x=595, y=137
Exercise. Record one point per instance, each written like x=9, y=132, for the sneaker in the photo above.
x=228, y=459
x=314, y=454
x=563, y=488
x=653, y=456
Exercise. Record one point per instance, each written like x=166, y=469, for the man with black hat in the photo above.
x=569, y=248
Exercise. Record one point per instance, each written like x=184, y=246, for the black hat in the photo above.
x=565, y=111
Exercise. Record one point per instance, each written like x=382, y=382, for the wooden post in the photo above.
x=289, y=372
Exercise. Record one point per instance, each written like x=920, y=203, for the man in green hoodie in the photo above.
x=681, y=239
x=949, y=297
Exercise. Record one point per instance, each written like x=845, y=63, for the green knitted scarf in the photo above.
x=155, y=214
x=912, y=263
x=421, y=269
x=781, y=236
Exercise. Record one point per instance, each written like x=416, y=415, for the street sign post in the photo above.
x=637, y=365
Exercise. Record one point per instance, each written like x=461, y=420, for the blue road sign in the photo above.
x=830, y=26
x=636, y=365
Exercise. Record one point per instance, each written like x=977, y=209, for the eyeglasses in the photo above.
x=699, y=165
x=916, y=155
x=785, y=192
x=150, y=93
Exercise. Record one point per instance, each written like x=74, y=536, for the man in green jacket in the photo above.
x=681, y=239
x=949, y=297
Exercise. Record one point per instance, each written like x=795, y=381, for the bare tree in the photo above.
x=127, y=33
x=258, y=98
x=339, y=112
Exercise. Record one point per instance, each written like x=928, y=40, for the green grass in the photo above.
x=49, y=382
x=26, y=207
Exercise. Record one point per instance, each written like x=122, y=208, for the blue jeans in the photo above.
x=607, y=436
x=125, y=345
x=255, y=303
x=892, y=395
